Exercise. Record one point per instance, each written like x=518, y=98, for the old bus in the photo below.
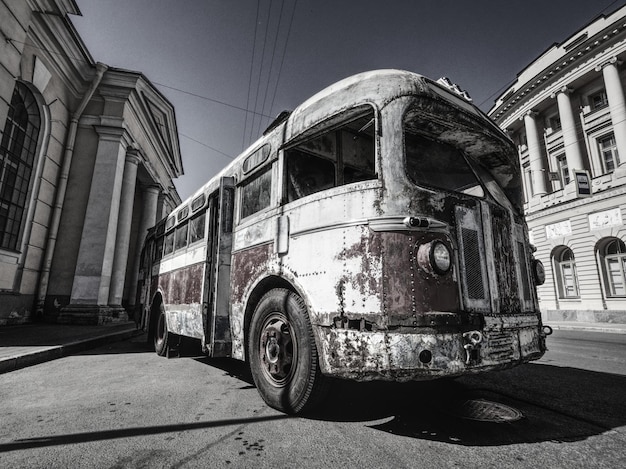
x=375, y=232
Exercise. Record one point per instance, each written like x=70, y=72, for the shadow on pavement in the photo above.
x=558, y=404
x=555, y=404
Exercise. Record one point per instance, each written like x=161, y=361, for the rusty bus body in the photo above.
x=386, y=210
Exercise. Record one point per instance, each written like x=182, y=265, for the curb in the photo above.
x=59, y=351
x=568, y=327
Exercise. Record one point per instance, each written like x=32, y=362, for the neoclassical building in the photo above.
x=87, y=158
x=567, y=113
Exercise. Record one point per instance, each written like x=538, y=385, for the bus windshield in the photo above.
x=436, y=164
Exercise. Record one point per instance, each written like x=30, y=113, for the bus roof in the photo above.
x=376, y=87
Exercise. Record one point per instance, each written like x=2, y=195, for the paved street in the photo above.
x=122, y=406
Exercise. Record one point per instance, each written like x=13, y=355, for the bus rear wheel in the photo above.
x=161, y=335
x=283, y=356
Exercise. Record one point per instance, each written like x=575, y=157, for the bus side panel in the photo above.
x=182, y=298
x=248, y=267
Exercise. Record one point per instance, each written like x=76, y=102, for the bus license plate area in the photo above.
x=364, y=356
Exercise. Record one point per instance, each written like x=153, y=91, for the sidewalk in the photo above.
x=30, y=344
x=587, y=326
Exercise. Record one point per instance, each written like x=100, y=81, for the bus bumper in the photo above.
x=423, y=354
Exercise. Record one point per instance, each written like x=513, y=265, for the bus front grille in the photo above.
x=471, y=263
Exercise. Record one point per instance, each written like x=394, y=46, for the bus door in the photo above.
x=217, y=339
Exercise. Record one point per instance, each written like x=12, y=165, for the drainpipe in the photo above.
x=57, y=210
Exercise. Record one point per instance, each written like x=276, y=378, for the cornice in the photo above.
x=53, y=38
x=559, y=73
x=565, y=207
x=538, y=95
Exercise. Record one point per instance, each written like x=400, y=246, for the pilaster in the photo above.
x=536, y=160
x=92, y=277
x=122, y=244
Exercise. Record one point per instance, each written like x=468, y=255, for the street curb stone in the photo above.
x=24, y=360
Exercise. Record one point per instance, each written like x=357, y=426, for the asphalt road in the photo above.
x=122, y=406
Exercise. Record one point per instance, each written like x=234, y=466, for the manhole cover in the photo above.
x=487, y=411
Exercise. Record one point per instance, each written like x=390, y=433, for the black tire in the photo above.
x=161, y=334
x=283, y=356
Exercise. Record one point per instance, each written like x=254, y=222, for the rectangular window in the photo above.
x=608, y=153
x=554, y=122
x=342, y=155
x=196, y=228
x=158, y=249
x=256, y=193
x=616, y=267
x=568, y=274
x=169, y=243
x=598, y=100
x=561, y=162
x=180, y=239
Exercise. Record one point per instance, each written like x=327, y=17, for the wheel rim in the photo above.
x=278, y=349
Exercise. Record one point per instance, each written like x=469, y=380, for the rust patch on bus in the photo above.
x=248, y=265
x=409, y=291
x=183, y=286
x=365, y=281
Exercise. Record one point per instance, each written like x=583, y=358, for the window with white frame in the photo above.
x=565, y=267
x=608, y=153
x=613, y=259
x=597, y=100
x=554, y=122
x=561, y=162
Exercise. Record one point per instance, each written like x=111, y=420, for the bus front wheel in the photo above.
x=282, y=352
x=161, y=334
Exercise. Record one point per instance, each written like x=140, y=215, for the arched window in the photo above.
x=613, y=256
x=17, y=154
x=565, y=267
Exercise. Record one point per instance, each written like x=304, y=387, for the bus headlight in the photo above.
x=539, y=272
x=434, y=258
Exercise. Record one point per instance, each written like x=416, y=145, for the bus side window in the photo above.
x=256, y=193
x=180, y=239
x=307, y=174
x=169, y=243
x=341, y=156
x=158, y=249
x=196, y=228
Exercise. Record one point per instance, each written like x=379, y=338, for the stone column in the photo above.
x=148, y=220
x=617, y=104
x=92, y=277
x=536, y=160
x=568, y=127
x=118, y=274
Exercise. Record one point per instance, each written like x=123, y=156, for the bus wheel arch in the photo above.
x=282, y=352
x=262, y=288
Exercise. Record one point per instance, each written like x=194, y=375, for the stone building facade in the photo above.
x=567, y=113
x=87, y=158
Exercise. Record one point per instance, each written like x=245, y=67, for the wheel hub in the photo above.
x=277, y=351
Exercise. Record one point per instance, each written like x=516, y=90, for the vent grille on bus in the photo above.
x=500, y=345
x=525, y=280
x=473, y=271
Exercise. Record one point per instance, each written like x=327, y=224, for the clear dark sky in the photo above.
x=213, y=59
